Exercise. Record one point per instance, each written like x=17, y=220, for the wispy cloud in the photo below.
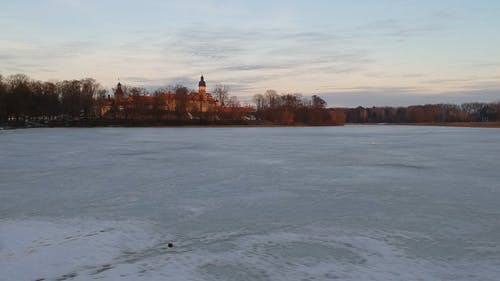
x=406, y=96
x=70, y=3
x=252, y=67
x=447, y=15
x=396, y=29
x=449, y=80
x=485, y=65
x=382, y=74
x=39, y=56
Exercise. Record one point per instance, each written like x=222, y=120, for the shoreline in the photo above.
x=142, y=125
x=139, y=124
x=438, y=124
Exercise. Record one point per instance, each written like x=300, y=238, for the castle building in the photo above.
x=193, y=103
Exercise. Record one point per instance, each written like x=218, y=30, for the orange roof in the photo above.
x=193, y=96
x=246, y=109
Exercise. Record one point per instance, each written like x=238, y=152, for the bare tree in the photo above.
x=90, y=91
x=159, y=104
x=18, y=96
x=233, y=102
x=3, y=100
x=181, y=97
x=139, y=106
x=318, y=102
x=221, y=93
x=259, y=102
x=272, y=98
x=70, y=91
x=291, y=101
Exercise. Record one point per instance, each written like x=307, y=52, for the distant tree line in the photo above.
x=430, y=113
x=293, y=109
x=24, y=100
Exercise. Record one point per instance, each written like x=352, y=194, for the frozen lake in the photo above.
x=316, y=203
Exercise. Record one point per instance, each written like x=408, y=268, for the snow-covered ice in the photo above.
x=328, y=203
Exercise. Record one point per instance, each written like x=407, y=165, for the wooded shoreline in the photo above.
x=26, y=103
x=246, y=124
x=441, y=124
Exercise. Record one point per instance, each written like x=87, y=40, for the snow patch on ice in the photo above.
x=136, y=250
x=30, y=250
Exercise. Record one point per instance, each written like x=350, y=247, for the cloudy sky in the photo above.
x=371, y=52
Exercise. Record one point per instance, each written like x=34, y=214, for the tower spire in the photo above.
x=119, y=91
x=202, y=86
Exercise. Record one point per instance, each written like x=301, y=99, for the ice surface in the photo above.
x=329, y=203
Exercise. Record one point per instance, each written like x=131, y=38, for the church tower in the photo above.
x=119, y=92
x=202, y=86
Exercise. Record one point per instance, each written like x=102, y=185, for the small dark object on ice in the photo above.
x=170, y=245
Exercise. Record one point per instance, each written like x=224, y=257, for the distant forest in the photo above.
x=25, y=102
x=429, y=113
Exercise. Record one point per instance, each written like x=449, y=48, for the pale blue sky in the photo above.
x=350, y=52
